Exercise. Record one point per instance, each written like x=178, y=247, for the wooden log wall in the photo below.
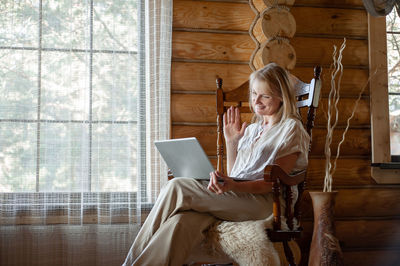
x=210, y=38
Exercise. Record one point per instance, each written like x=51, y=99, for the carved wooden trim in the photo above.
x=276, y=206
x=289, y=211
x=220, y=112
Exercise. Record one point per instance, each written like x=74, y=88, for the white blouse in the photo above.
x=257, y=150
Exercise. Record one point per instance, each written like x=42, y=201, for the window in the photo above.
x=393, y=50
x=68, y=95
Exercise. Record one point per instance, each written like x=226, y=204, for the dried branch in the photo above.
x=348, y=120
x=333, y=100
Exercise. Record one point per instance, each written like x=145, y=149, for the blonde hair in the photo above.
x=278, y=80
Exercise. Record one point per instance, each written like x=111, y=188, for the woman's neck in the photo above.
x=269, y=121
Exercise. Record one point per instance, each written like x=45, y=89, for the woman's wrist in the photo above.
x=232, y=143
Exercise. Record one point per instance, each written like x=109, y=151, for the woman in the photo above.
x=186, y=208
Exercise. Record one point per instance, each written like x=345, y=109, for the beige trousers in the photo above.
x=184, y=209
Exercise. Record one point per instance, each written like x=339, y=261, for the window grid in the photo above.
x=39, y=121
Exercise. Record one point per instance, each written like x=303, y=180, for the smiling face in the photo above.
x=264, y=101
x=271, y=96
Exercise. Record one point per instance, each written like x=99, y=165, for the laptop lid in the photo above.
x=185, y=158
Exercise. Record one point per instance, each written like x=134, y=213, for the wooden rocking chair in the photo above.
x=307, y=98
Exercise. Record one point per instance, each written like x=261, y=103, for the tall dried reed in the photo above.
x=333, y=114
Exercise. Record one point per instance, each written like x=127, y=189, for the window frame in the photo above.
x=383, y=171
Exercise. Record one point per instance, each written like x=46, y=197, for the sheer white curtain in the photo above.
x=84, y=92
x=158, y=33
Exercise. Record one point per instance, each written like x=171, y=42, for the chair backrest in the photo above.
x=307, y=98
x=308, y=95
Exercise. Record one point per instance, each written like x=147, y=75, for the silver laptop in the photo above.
x=185, y=157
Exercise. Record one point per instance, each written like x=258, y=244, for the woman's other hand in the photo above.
x=233, y=127
x=220, y=183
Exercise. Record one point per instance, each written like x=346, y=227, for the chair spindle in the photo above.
x=220, y=113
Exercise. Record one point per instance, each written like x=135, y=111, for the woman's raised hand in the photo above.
x=233, y=127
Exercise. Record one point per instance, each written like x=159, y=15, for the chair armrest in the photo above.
x=278, y=177
x=274, y=172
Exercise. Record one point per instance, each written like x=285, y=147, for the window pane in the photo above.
x=394, y=116
x=393, y=21
x=114, y=25
x=63, y=157
x=393, y=41
x=17, y=157
x=393, y=52
x=18, y=84
x=66, y=24
x=19, y=23
x=114, y=157
x=65, y=86
x=114, y=87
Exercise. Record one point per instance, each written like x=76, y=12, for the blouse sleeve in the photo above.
x=296, y=140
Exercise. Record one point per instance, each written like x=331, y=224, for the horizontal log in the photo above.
x=345, y=107
x=339, y=22
x=202, y=76
x=361, y=233
x=314, y=51
x=239, y=17
x=357, y=140
x=202, y=109
x=212, y=15
x=193, y=108
x=366, y=202
x=238, y=48
x=330, y=3
x=350, y=4
x=197, y=108
x=349, y=172
x=228, y=47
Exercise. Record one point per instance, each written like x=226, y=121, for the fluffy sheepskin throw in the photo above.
x=245, y=242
